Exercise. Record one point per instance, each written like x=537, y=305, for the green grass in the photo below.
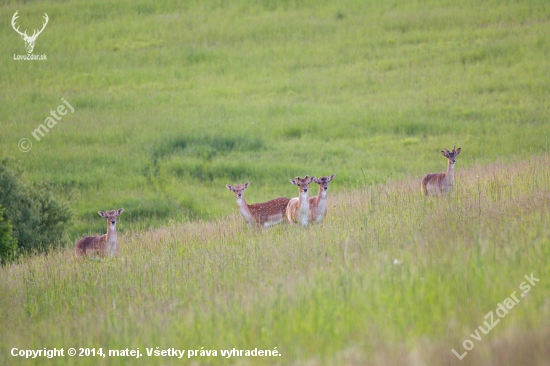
x=367, y=90
x=388, y=278
x=173, y=100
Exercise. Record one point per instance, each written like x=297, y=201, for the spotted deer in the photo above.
x=101, y=245
x=259, y=214
x=298, y=207
x=318, y=204
x=441, y=183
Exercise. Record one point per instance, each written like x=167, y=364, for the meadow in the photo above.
x=174, y=100
x=389, y=278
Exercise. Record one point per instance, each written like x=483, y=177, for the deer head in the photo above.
x=451, y=155
x=302, y=183
x=323, y=181
x=238, y=189
x=29, y=40
x=111, y=216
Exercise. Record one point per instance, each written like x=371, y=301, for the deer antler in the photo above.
x=35, y=34
x=13, y=19
x=24, y=34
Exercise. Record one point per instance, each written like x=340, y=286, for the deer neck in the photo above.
x=111, y=245
x=322, y=195
x=450, y=174
x=303, y=208
x=319, y=195
x=245, y=210
x=321, y=204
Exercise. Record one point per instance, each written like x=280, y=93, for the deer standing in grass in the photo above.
x=298, y=207
x=318, y=204
x=441, y=183
x=101, y=245
x=259, y=214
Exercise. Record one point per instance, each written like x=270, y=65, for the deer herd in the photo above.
x=302, y=209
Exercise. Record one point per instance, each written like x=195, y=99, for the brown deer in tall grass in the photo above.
x=318, y=204
x=298, y=207
x=441, y=183
x=101, y=245
x=259, y=214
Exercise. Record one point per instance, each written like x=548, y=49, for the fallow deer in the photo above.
x=259, y=214
x=101, y=245
x=441, y=183
x=298, y=207
x=318, y=204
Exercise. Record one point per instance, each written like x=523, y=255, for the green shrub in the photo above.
x=8, y=244
x=39, y=221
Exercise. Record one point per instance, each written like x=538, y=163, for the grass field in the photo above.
x=174, y=100
x=388, y=279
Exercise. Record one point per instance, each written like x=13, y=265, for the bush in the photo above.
x=39, y=221
x=8, y=244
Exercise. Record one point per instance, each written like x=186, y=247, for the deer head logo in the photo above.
x=29, y=40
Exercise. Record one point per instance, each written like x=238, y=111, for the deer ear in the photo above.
x=119, y=211
x=444, y=154
x=293, y=182
x=246, y=185
x=458, y=151
x=331, y=177
x=101, y=213
x=229, y=187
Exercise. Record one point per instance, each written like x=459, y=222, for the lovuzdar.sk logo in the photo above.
x=29, y=40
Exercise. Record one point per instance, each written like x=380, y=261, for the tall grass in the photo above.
x=388, y=278
x=355, y=88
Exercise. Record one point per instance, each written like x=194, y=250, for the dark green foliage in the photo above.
x=38, y=219
x=188, y=156
x=293, y=132
x=8, y=244
x=205, y=147
x=208, y=172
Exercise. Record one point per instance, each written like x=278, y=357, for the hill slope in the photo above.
x=172, y=101
x=389, y=278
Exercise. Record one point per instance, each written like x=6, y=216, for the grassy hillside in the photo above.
x=174, y=100
x=388, y=279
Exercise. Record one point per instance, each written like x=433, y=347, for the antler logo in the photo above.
x=29, y=40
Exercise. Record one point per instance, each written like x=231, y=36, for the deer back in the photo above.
x=275, y=208
x=91, y=244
